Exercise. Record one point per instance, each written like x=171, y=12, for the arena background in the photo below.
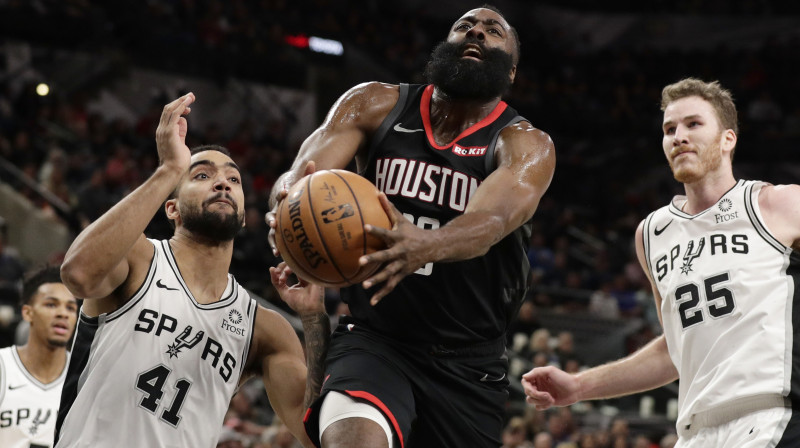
x=82, y=84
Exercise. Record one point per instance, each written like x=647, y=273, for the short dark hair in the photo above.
x=193, y=151
x=36, y=278
x=199, y=149
x=217, y=148
x=517, y=43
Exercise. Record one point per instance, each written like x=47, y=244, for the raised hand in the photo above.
x=171, y=134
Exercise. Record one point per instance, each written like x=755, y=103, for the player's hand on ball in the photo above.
x=408, y=249
x=311, y=167
x=303, y=297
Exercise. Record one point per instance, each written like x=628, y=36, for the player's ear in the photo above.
x=513, y=73
x=171, y=209
x=27, y=313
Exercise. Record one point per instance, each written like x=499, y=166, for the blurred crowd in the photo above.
x=600, y=107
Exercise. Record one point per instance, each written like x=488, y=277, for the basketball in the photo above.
x=320, y=227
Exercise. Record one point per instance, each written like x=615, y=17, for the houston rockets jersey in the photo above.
x=28, y=407
x=728, y=291
x=458, y=302
x=159, y=371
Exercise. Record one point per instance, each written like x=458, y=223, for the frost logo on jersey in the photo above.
x=235, y=317
x=691, y=254
x=469, y=151
x=724, y=206
x=38, y=420
x=181, y=342
x=336, y=213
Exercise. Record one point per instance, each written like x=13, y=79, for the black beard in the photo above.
x=57, y=343
x=468, y=79
x=212, y=226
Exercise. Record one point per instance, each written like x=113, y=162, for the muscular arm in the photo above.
x=505, y=200
x=113, y=250
x=646, y=369
x=343, y=134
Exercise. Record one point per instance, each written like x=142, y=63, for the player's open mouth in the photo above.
x=472, y=51
x=61, y=329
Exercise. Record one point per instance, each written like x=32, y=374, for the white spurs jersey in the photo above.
x=161, y=370
x=728, y=291
x=28, y=407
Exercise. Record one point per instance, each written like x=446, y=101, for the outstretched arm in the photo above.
x=308, y=301
x=504, y=201
x=278, y=357
x=648, y=368
x=113, y=248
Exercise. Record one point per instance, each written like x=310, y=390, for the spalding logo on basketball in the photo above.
x=320, y=227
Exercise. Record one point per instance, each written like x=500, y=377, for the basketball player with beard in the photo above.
x=421, y=362
x=166, y=335
x=31, y=375
x=724, y=264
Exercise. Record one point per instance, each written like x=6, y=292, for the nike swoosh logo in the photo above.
x=399, y=128
x=486, y=378
x=661, y=230
x=162, y=285
x=10, y=387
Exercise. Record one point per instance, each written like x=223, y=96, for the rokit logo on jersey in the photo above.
x=229, y=324
x=153, y=323
x=469, y=151
x=725, y=206
x=427, y=182
x=692, y=250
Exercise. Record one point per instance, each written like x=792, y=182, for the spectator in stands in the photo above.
x=515, y=434
x=543, y=440
x=525, y=323
x=668, y=441
x=602, y=304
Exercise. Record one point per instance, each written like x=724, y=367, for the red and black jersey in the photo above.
x=460, y=302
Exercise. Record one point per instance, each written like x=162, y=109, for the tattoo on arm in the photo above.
x=317, y=331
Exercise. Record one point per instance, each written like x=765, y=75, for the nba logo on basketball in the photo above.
x=336, y=213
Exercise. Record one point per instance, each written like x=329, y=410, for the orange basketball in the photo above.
x=320, y=227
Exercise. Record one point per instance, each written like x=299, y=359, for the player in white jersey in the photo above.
x=724, y=264
x=166, y=335
x=31, y=375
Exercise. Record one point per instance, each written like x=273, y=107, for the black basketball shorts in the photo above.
x=432, y=396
